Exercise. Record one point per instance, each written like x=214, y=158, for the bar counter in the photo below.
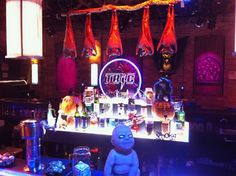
x=60, y=142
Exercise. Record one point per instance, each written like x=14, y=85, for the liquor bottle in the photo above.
x=84, y=117
x=135, y=126
x=76, y=116
x=131, y=104
x=181, y=114
x=121, y=109
x=181, y=117
x=131, y=111
x=102, y=119
x=96, y=108
x=144, y=110
x=59, y=117
x=50, y=118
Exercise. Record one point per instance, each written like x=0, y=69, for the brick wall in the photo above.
x=184, y=71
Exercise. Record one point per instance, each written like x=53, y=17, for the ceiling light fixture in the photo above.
x=24, y=29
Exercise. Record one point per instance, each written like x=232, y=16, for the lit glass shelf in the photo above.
x=178, y=135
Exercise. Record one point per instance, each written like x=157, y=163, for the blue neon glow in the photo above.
x=125, y=60
x=6, y=172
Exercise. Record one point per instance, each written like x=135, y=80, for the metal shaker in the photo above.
x=32, y=131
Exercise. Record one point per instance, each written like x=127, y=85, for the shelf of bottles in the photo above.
x=20, y=109
x=98, y=114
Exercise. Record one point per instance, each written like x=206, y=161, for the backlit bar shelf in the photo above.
x=175, y=134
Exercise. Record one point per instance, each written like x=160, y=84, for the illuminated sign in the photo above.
x=120, y=76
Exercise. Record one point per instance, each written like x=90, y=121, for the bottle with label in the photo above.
x=144, y=110
x=121, y=109
x=60, y=116
x=181, y=117
x=50, y=117
x=84, y=117
x=102, y=119
x=135, y=126
x=131, y=111
x=96, y=108
x=76, y=116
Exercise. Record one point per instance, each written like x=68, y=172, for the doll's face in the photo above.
x=122, y=138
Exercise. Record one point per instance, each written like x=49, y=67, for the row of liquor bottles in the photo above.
x=89, y=118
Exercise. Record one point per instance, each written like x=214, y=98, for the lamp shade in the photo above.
x=24, y=28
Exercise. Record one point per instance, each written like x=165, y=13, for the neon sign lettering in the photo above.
x=119, y=75
x=119, y=78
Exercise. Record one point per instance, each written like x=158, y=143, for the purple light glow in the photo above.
x=120, y=74
x=209, y=68
x=66, y=75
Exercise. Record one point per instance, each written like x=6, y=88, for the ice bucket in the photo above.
x=31, y=129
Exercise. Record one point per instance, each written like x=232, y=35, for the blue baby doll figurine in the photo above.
x=122, y=160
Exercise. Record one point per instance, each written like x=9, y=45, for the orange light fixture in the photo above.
x=97, y=57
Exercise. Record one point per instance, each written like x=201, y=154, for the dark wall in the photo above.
x=186, y=33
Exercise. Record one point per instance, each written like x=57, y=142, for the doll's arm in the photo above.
x=134, y=169
x=109, y=163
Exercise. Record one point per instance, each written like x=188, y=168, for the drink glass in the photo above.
x=165, y=127
x=149, y=126
x=81, y=153
x=93, y=120
x=76, y=123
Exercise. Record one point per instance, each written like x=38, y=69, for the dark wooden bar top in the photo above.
x=17, y=169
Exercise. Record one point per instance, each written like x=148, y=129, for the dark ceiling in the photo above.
x=199, y=9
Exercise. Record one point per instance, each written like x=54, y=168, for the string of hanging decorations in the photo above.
x=122, y=7
x=167, y=44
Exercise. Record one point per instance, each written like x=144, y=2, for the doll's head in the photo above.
x=122, y=139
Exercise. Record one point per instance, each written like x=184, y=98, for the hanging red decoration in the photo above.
x=114, y=45
x=69, y=47
x=145, y=45
x=66, y=75
x=167, y=44
x=89, y=42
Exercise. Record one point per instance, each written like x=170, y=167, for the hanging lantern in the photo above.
x=167, y=44
x=69, y=47
x=24, y=28
x=114, y=45
x=66, y=66
x=89, y=42
x=145, y=45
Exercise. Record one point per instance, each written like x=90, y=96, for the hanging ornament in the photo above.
x=166, y=66
x=167, y=44
x=69, y=47
x=145, y=45
x=89, y=42
x=114, y=45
